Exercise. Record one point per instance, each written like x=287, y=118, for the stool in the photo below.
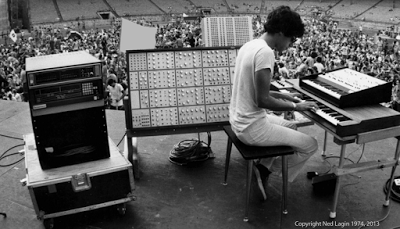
x=250, y=153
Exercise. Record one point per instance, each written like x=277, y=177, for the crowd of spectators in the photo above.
x=101, y=43
x=323, y=47
x=180, y=34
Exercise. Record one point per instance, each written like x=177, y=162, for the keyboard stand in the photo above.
x=366, y=166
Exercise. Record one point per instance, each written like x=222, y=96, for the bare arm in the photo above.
x=293, y=97
x=276, y=101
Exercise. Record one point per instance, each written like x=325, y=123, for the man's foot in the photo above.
x=262, y=174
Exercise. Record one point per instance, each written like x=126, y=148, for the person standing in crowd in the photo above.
x=251, y=97
x=16, y=96
x=379, y=44
x=318, y=64
x=396, y=95
x=191, y=40
x=310, y=59
x=117, y=94
x=283, y=71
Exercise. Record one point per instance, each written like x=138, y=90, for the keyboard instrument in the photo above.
x=355, y=121
x=347, y=88
x=277, y=85
x=344, y=122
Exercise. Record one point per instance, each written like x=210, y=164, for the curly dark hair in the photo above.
x=283, y=19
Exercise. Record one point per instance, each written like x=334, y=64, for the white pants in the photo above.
x=275, y=131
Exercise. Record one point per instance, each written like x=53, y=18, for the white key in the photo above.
x=326, y=117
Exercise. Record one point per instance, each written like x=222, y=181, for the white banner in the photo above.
x=13, y=36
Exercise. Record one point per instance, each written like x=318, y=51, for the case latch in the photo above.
x=81, y=182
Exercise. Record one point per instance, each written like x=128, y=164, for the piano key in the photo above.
x=325, y=112
x=326, y=116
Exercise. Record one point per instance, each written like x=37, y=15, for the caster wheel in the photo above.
x=121, y=209
x=48, y=223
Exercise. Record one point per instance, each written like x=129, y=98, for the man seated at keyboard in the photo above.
x=251, y=97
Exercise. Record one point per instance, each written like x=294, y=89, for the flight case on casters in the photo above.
x=79, y=187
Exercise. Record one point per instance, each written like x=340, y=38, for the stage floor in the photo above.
x=175, y=197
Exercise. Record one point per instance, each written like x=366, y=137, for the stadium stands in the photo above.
x=43, y=11
x=348, y=9
x=271, y=4
x=383, y=12
x=135, y=7
x=177, y=6
x=241, y=6
x=218, y=5
x=308, y=6
x=83, y=9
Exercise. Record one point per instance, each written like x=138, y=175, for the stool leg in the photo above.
x=248, y=189
x=284, y=183
x=227, y=159
x=324, y=146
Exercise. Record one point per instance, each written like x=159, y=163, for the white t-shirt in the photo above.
x=243, y=110
x=319, y=66
x=116, y=93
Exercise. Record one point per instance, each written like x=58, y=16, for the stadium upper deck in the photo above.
x=45, y=11
x=72, y=9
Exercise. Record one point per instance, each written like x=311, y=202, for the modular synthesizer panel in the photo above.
x=180, y=87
